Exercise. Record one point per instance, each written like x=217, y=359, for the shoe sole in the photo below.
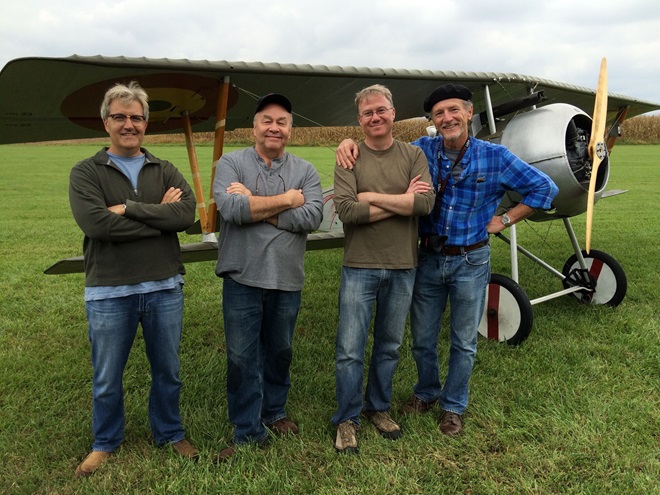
x=391, y=435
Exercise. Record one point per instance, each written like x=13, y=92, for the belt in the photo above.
x=456, y=250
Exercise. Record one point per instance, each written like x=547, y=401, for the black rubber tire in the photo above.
x=605, y=273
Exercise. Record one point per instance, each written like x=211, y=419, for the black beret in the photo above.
x=280, y=100
x=445, y=92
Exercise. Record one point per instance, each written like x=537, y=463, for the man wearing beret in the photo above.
x=268, y=201
x=471, y=177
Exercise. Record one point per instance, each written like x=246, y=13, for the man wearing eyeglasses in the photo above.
x=268, y=201
x=379, y=202
x=130, y=206
x=471, y=176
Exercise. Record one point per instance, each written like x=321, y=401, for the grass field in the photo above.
x=573, y=410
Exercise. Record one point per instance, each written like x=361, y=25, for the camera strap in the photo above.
x=438, y=196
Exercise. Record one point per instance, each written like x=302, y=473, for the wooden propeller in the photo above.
x=597, y=148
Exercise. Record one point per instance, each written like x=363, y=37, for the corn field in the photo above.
x=641, y=130
x=638, y=130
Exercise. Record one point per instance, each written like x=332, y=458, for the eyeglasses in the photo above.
x=256, y=187
x=370, y=113
x=120, y=118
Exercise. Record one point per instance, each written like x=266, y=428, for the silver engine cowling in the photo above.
x=554, y=139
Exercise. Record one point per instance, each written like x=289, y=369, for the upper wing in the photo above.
x=44, y=99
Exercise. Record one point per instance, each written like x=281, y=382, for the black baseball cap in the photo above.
x=445, y=92
x=275, y=98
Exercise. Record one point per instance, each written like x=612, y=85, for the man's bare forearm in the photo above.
x=396, y=204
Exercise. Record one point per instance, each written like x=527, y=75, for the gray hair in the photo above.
x=126, y=94
x=376, y=89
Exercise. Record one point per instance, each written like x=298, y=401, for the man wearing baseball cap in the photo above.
x=471, y=177
x=268, y=201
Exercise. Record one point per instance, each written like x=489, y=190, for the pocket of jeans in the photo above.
x=177, y=288
x=478, y=257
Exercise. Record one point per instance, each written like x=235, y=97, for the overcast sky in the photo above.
x=561, y=40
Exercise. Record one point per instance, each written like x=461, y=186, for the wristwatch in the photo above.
x=506, y=220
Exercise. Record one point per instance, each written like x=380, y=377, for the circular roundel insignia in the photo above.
x=170, y=94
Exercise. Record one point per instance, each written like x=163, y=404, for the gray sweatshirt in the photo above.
x=259, y=254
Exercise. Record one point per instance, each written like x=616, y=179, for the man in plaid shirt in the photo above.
x=471, y=177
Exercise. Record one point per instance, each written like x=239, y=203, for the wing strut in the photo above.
x=194, y=169
x=492, y=126
x=615, y=129
x=218, y=144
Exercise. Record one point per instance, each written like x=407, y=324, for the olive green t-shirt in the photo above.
x=390, y=243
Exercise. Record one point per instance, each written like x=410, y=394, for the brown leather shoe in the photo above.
x=283, y=427
x=185, y=449
x=91, y=463
x=224, y=455
x=415, y=405
x=451, y=423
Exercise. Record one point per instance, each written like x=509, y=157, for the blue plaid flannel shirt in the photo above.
x=468, y=204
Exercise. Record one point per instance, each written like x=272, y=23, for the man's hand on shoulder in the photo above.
x=346, y=154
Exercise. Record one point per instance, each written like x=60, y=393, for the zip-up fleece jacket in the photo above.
x=142, y=245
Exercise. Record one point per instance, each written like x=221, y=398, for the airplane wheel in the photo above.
x=508, y=315
x=606, y=275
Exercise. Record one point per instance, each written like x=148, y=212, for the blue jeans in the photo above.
x=360, y=289
x=112, y=327
x=462, y=280
x=259, y=326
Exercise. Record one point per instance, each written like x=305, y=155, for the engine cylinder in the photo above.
x=554, y=139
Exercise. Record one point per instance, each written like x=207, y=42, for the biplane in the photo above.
x=567, y=131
